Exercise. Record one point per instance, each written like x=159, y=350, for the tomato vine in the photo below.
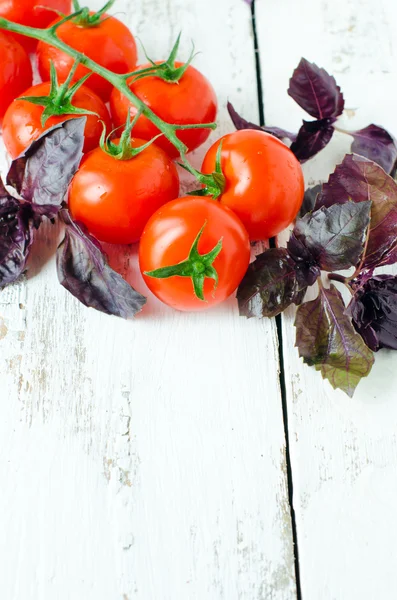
x=169, y=130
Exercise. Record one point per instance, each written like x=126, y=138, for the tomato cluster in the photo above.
x=194, y=250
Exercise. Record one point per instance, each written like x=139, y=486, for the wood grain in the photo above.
x=344, y=452
x=144, y=459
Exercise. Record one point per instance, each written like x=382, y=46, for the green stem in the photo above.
x=49, y=36
x=197, y=267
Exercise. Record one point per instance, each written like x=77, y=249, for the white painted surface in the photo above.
x=144, y=460
x=344, y=452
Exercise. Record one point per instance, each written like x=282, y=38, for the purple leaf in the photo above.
x=269, y=286
x=316, y=91
x=241, y=123
x=309, y=200
x=335, y=235
x=16, y=237
x=359, y=179
x=374, y=312
x=42, y=174
x=312, y=137
x=327, y=340
x=84, y=271
x=306, y=268
x=377, y=144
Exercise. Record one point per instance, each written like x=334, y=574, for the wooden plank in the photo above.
x=343, y=452
x=144, y=459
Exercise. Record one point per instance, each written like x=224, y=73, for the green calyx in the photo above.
x=124, y=149
x=165, y=70
x=213, y=184
x=83, y=18
x=168, y=130
x=198, y=267
x=59, y=100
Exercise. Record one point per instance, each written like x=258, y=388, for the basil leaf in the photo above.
x=377, y=144
x=240, y=123
x=326, y=339
x=16, y=237
x=374, y=311
x=335, y=235
x=270, y=285
x=84, y=271
x=358, y=179
x=316, y=91
x=312, y=137
x=42, y=174
x=309, y=200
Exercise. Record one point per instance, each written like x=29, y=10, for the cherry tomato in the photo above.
x=168, y=240
x=264, y=181
x=191, y=100
x=15, y=71
x=35, y=13
x=115, y=198
x=22, y=121
x=110, y=44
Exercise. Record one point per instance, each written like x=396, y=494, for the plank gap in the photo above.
x=283, y=389
x=261, y=105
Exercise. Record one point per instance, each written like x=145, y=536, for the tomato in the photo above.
x=191, y=100
x=15, y=71
x=168, y=240
x=264, y=181
x=110, y=44
x=115, y=198
x=22, y=121
x=36, y=13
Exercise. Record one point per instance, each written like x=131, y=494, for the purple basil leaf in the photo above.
x=327, y=340
x=306, y=268
x=42, y=174
x=16, y=237
x=84, y=271
x=335, y=236
x=374, y=312
x=241, y=123
x=309, y=200
x=316, y=91
x=359, y=179
x=377, y=144
x=312, y=137
x=269, y=286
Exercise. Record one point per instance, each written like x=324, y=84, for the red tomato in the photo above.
x=264, y=181
x=115, y=198
x=22, y=121
x=15, y=71
x=110, y=44
x=191, y=100
x=36, y=13
x=168, y=239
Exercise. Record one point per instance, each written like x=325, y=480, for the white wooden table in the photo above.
x=156, y=459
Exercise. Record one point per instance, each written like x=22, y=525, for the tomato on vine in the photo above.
x=120, y=185
x=101, y=37
x=193, y=253
x=46, y=104
x=35, y=13
x=15, y=72
x=262, y=180
x=177, y=93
